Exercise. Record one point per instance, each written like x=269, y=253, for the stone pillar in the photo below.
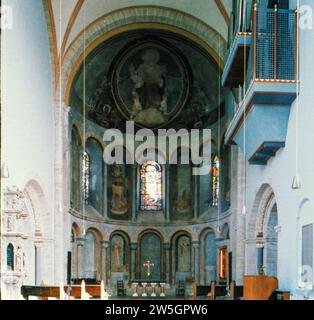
x=80, y=257
x=134, y=192
x=167, y=247
x=133, y=247
x=195, y=196
x=81, y=200
x=106, y=202
x=38, y=276
x=167, y=191
x=104, y=247
x=196, y=251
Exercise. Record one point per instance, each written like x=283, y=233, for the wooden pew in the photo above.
x=259, y=287
x=216, y=291
x=45, y=292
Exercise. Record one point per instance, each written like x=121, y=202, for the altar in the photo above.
x=149, y=288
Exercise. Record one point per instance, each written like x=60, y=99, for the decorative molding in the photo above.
x=136, y=18
x=71, y=22
x=223, y=11
x=52, y=35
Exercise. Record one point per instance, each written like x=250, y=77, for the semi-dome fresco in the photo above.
x=156, y=150
x=155, y=78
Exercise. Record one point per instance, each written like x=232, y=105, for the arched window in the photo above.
x=150, y=186
x=85, y=176
x=215, y=181
x=10, y=257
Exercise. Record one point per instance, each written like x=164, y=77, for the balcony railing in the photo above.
x=271, y=69
x=274, y=54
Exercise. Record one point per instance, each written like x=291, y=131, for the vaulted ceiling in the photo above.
x=67, y=19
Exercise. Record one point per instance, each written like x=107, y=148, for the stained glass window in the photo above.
x=150, y=186
x=215, y=181
x=85, y=176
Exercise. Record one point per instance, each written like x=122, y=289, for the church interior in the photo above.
x=74, y=225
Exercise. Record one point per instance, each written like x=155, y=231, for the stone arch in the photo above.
x=92, y=254
x=176, y=274
x=75, y=234
x=208, y=256
x=133, y=18
x=37, y=248
x=124, y=256
x=37, y=205
x=150, y=247
x=76, y=229
x=77, y=132
x=265, y=197
x=261, y=249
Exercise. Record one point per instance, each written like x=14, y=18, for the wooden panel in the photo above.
x=54, y=292
x=259, y=287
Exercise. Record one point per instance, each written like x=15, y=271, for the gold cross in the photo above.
x=148, y=264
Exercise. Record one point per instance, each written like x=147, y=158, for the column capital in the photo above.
x=196, y=244
x=104, y=244
x=133, y=245
x=167, y=245
x=80, y=241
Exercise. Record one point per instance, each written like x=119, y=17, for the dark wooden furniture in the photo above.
x=220, y=291
x=259, y=287
x=46, y=292
x=180, y=289
x=121, y=291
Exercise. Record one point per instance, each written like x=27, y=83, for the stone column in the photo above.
x=167, y=247
x=81, y=200
x=38, y=264
x=167, y=191
x=104, y=247
x=133, y=247
x=195, y=196
x=196, y=250
x=106, y=198
x=80, y=257
x=134, y=192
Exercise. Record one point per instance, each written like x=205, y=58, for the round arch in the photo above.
x=262, y=234
x=150, y=248
x=135, y=18
x=208, y=256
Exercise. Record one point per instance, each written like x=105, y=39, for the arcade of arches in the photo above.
x=68, y=215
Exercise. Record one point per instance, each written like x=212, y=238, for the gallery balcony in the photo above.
x=233, y=74
x=259, y=125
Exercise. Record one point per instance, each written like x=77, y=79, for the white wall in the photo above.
x=280, y=170
x=27, y=125
x=27, y=112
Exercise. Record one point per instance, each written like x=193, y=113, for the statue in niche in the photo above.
x=184, y=200
x=184, y=254
x=117, y=247
x=118, y=203
x=149, y=92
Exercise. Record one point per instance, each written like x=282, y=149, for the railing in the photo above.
x=274, y=40
x=273, y=55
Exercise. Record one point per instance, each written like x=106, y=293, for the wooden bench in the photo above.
x=216, y=291
x=45, y=292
